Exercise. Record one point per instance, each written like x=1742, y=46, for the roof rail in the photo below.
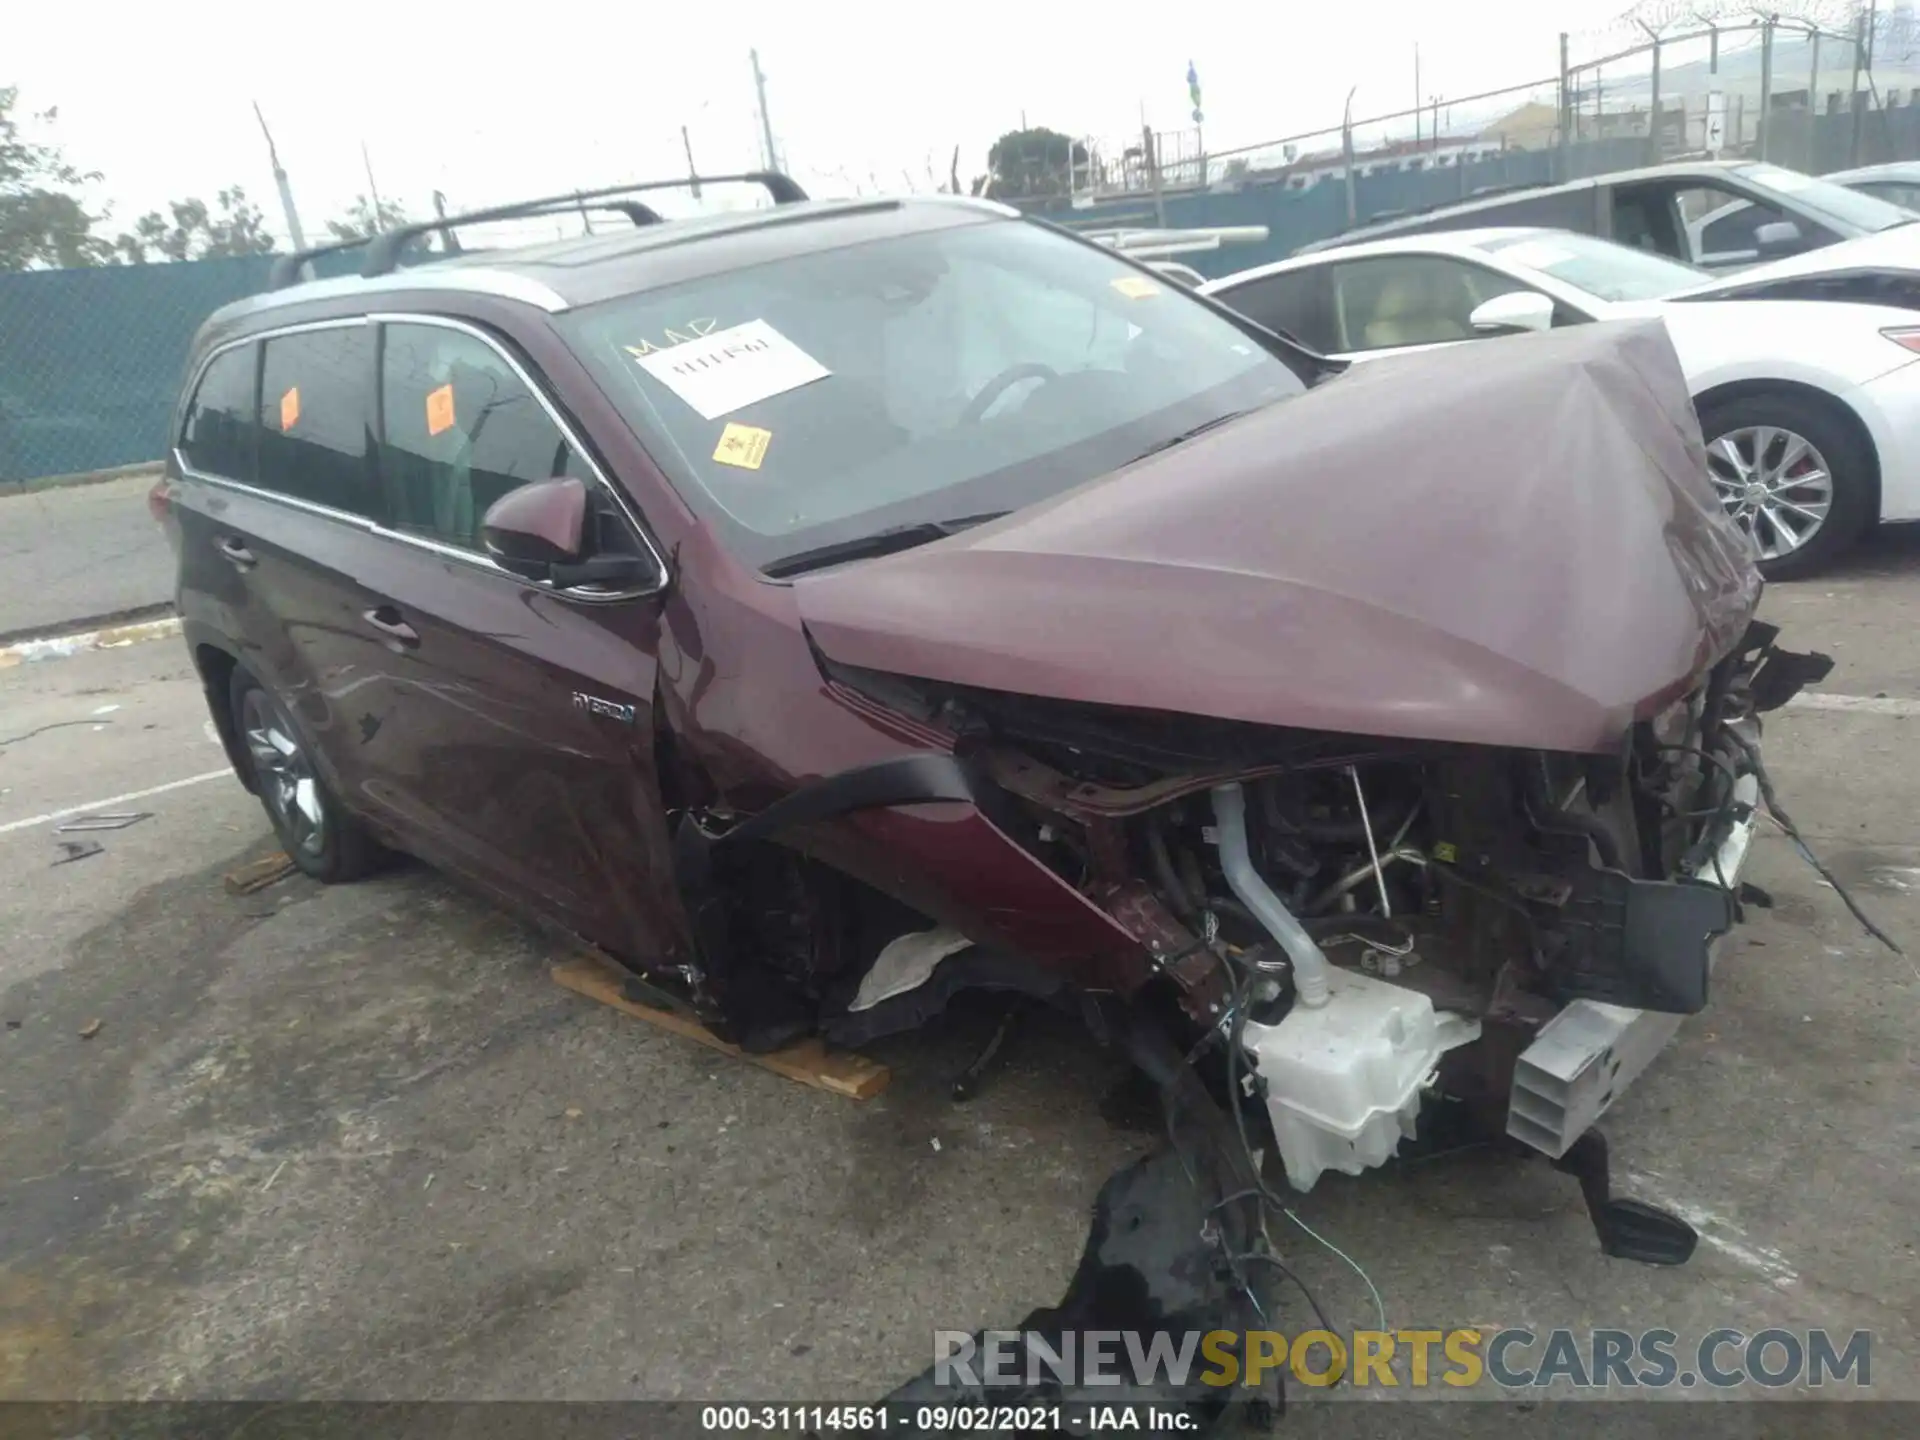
x=385, y=249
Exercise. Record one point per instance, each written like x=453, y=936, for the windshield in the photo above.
x=1601, y=268
x=1848, y=209
x=949, y=373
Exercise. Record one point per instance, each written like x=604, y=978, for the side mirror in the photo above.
x=539, y=532
x=1778, y=237
x=1516, y=310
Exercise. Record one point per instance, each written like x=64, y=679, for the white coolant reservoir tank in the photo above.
x=1343, y=1079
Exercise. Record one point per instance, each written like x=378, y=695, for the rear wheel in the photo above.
x=1794, y=476
x=316, y=833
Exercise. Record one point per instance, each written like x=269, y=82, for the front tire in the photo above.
x=314, y=830
x=1795, y=477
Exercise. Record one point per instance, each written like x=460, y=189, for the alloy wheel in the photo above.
x=1775, y=483
x=285, y=773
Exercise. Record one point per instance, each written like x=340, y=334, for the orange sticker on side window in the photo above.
x=440, y=410
x=290, y=408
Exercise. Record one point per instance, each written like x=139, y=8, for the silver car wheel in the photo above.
x=1775, y=484
x=284, y=772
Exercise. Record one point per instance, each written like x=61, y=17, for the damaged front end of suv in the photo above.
x=1405, y=738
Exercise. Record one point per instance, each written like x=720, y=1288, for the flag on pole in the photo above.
x=1193, y=92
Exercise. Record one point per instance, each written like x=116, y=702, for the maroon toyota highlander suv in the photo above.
x=830, y=607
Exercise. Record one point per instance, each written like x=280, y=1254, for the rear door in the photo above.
x=518, y=731
x=277, y=507
x=1388, y=304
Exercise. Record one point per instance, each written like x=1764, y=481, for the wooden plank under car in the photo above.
x=840, y=1072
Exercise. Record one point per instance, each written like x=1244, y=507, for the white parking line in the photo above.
x=53, y=815
x=1859, y=704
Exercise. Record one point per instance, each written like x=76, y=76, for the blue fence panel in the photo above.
x=90, y=359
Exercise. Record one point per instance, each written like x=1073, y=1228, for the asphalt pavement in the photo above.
x=79, y=554
x=354, y=1143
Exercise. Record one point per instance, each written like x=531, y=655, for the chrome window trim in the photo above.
x=473, y=558
x=292, y=502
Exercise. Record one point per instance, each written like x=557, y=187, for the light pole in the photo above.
x=1346, y=155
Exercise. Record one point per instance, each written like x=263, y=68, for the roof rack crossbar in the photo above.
x=384, y=253
x=384, y=250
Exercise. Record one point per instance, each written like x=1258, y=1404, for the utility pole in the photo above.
x=294, y=232
x=1859, y=44
x=373, y=190
x=693, y=175
x=1653, y=117
x=448, y=244
x=1346, y=155
x=1766, y=82
x=1813, y=72
x=1416, y=95
x=1566, y=111
x=1148, y=140
x=766, y=120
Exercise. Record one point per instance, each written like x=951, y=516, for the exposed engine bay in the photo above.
x=1336, y=928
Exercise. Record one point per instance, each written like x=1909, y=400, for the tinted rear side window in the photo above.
x=1288, y=302
x=316, y=419
x=219, y=434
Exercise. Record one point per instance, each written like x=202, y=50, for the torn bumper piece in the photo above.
x=1586, y=1057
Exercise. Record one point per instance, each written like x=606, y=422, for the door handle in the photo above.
x=236, y=554
x=387, y=621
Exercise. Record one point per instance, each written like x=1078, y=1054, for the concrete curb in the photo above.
x=59, y=647
x=89, y=477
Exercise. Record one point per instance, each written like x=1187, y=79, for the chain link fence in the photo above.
x=90, y=359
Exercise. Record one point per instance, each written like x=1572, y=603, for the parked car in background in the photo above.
x=1897, y=183
x=1810, y=407
x=827, y=608
x=1719, y=215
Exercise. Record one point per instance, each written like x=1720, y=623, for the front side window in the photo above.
x=1288, y=302
x=461, y=430
x=219, y=434
x=924, y=377
x=315, y=417
x=1397, y=300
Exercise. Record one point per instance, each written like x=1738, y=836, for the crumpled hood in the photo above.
x=1510, y=543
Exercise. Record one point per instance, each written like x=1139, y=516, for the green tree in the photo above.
x=1032, y=162
x=365, y=219
x=191, y=231
x=43, y=222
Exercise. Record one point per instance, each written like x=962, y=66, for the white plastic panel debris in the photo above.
x=906, y=963
x=1344, y=1079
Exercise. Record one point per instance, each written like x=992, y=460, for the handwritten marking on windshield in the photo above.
x=692, y=330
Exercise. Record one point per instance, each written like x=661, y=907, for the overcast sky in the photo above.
x=493, y=102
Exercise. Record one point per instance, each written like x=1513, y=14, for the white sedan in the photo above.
x=1810, y=407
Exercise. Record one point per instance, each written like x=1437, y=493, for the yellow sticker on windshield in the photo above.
x=1135, y=287
x=742, y=445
